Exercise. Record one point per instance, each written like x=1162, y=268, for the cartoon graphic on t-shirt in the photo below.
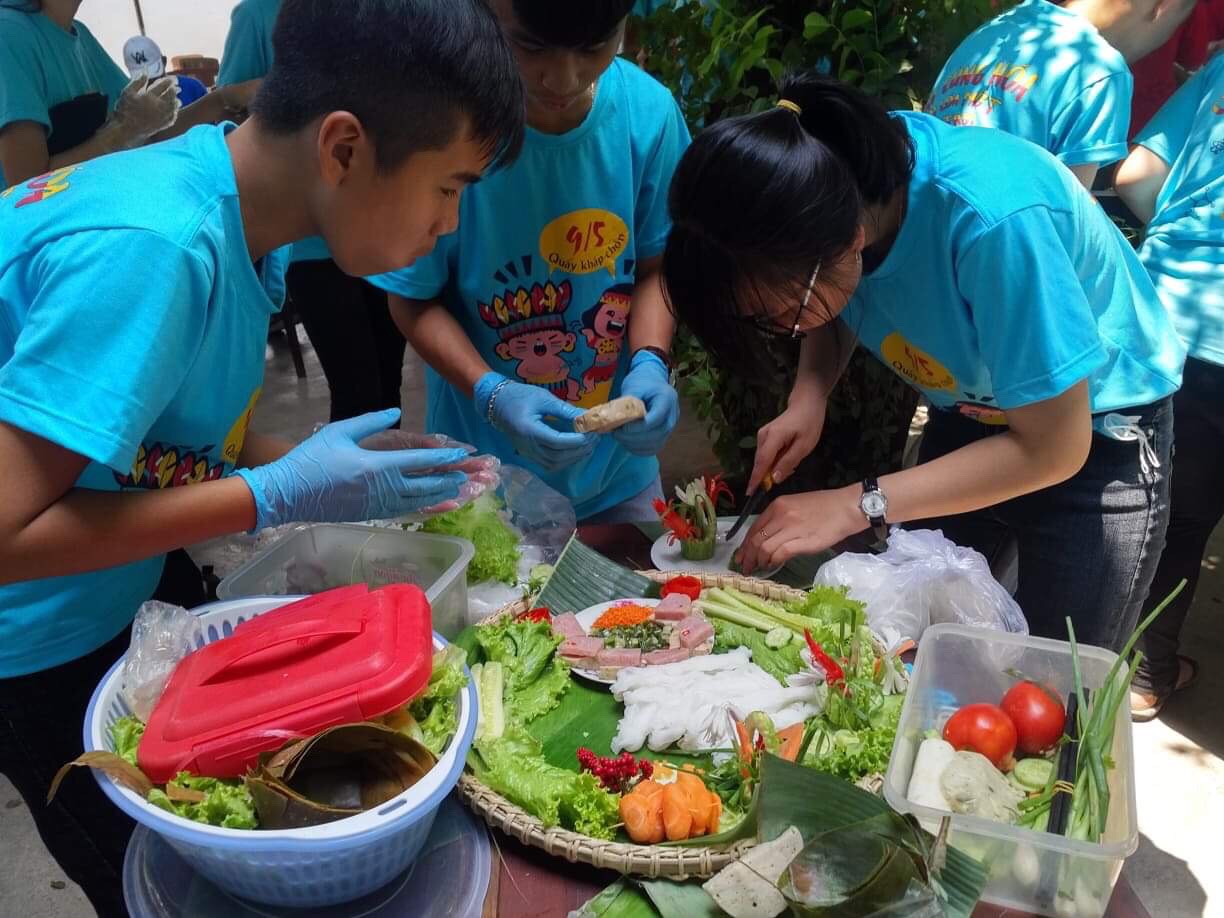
x=604, y=326
x=530, y=321
x=162, y=465
x=41, y=187
x=981, y=408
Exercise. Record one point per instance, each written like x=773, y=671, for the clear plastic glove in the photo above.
x=648, y=379
x=145, y=108
x=520, y=412
x=330, y=479
x=483, y=472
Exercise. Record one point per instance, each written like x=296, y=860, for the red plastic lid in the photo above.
x=335, y=658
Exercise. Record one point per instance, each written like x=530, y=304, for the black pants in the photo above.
x=41, y=721
x=350, y=327
x=1088, y=547
x=1197, y=506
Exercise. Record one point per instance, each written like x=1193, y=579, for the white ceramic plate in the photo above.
x=668, y=558
x=588, y=617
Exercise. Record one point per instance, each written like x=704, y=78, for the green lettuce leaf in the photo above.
x=436, y=711
x=535, y=677
x=779, y=663
x=854, y=754
x=496, y=543
x=125, y=733
x=227, y=804
x=513, y=766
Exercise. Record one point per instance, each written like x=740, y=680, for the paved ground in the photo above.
x=1179, y=759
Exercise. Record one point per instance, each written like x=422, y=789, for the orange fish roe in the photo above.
x=623, y=616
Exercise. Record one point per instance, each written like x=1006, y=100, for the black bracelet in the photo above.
x=658, y=352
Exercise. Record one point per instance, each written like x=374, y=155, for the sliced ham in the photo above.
x=567, y=626
x=581, y=647
x=661, y=657
x=694, y=630
x=619, y=658
x=673, y=608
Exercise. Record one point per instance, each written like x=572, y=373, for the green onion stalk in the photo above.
x=1090, y=799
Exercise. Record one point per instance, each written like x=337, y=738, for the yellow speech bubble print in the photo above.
x=584, y=241
x=236, y=438
x=916, y=365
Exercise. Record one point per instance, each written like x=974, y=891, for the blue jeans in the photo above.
x=1088, y=548
x=637, y=509
x=1197, y=507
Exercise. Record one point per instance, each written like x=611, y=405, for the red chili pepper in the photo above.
x=685, y=586
x=538, y=614
x=833, y=673
x=760, y=743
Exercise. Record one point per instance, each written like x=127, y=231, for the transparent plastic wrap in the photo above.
x=482, y=471
x=924, y=579
x=544, y=520
x=162, y=635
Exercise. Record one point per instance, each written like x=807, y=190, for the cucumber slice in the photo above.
x=1015, y=782
x=778, y=638
x=1032, y=774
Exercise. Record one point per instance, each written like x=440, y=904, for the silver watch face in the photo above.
x=874, y=504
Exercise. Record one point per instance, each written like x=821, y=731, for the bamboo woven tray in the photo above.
x=623, y=857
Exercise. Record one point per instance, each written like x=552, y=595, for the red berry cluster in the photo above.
x=614, y=774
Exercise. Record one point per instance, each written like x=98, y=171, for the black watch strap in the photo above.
x=879, y=522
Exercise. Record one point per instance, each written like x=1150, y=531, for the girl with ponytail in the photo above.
x=975, y=267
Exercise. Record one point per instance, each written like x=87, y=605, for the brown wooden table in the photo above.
x=527, y=883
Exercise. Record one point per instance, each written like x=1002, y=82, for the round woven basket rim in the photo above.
x=622, y=857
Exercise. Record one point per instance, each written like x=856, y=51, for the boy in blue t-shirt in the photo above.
x=548, y=299
x=1056, y=75
x=1174, y=180
x=135, y=295
x=358, y=346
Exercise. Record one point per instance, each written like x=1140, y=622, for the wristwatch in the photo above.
x=874, y=505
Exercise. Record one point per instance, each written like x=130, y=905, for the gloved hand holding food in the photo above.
x=520, y=411
x=483, y=472
x=648, y=381
x=329, y=478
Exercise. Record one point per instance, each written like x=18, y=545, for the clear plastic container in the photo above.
x=1032, y=871
x=328, y=555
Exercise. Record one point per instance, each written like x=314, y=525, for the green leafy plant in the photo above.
x=724, y=57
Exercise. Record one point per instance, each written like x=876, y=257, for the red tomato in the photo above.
x=1038, y=715
x=686, y=586
x=983, y=728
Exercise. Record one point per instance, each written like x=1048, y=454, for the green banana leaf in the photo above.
x=334, y=774
x=818, y=804
x=582, y=578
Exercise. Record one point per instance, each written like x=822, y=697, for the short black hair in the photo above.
x=571, y=24
x=413, y=71
x=757, y=201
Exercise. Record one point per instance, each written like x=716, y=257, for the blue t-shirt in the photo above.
x=131, y=333
x=190, y=90
x=1007, y=285
x=1184, y=246
x=1045, y=74
x=541, y=271
x=42, y=66
x=248, y=56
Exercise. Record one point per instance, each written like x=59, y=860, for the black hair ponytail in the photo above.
x=866, y=138
x=759, y=200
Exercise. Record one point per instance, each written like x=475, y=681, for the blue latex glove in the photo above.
x=330, y=479
x=648, y=380
x=519, y=411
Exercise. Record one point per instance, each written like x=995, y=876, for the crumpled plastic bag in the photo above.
x=482, y=471
x=924, y=579
x=162, y=634
x=544, y=518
